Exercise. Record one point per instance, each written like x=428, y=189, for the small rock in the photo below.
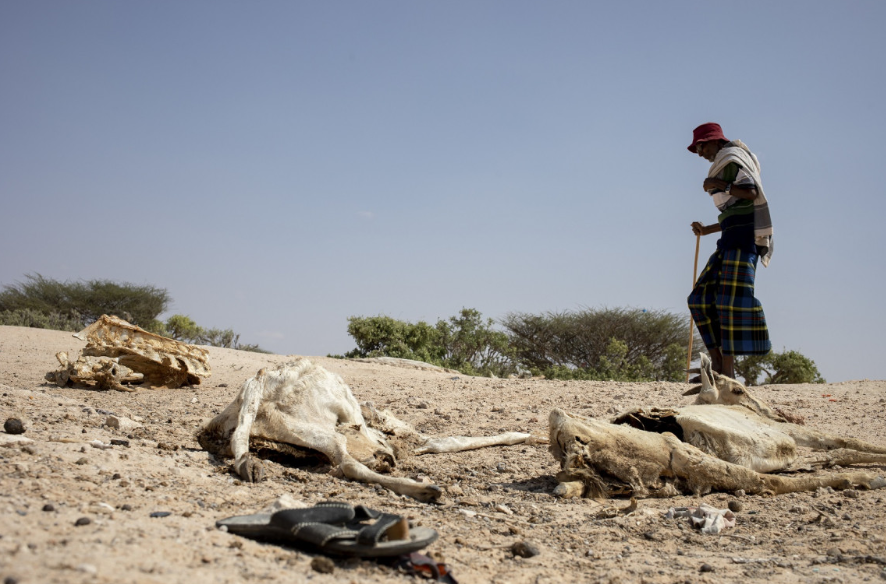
x=119, y=442
x=739, y=493
x=167, y=446
x=455, y=490
x=524, y=549
x=83, y=521
x=850, y=493
x=735, y=506
x=846, y=517
x=121, y=423
x=501, y=467
x=117, y=476
x=650, y=535
x=706, y=568
x=323, y=565
x=49, y=507
x=11, y=580
x=161, y=514
x=126, y=507
x=14, y=426
x=87, y=569
x=82, y=461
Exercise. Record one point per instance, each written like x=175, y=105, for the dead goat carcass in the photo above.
x=698, y=448
x=118, y=353
x=301, y=406
x=600, y=459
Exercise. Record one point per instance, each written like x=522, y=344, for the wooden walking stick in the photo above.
x=694, y=273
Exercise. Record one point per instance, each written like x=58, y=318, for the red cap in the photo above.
x=706, y=133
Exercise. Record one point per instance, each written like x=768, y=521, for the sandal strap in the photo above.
x=371, y=534
x=319, y=534
x=330, y=513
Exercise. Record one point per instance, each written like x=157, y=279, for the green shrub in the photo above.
x=34, y=319
x=465, y=342
x=785, y=367
x=611, y=343
x=88, y=300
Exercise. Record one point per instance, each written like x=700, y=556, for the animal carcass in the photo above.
x=118, y=353
x=697, y=448
x=301, y=405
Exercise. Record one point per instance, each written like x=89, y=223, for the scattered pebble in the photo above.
x=83, y=521
x=119, y=442
x=14, y=426
x=161, y=514
x=850, y=493
x=735, y=506
x=706, y=568
x=83, y=460
x=10, y=579
x=87, y=569
x=524, y=549
x=49, y=507
x=323, y=565
x=126, y=507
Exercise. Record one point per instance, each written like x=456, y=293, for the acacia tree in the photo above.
x=85, y=301
x=608, y=343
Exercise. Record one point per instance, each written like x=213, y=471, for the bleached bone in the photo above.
x=115, y=347
x=101, y=372
x=302, y=404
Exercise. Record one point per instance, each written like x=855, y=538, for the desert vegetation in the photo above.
x=41, y=302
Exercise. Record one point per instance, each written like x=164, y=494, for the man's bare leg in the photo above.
x=728, y=366
x=716, y=359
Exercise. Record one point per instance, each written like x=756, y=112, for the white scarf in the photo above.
x=736, y=151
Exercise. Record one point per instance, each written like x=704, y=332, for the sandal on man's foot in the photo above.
x=335, y=529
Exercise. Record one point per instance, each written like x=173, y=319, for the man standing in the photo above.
x=728, y=316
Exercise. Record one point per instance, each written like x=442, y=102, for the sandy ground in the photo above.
x=494, y=497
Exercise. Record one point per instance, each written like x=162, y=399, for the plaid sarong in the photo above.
x=724, y=308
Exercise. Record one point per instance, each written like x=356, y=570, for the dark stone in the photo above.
x=524, y=549
x=735, y=506
x=14, y=426
x=323, y=565
x=161, y=514
x=49, y=507
x=126, y=507
x=706, y=568
x=119, y=442
x=83, y=521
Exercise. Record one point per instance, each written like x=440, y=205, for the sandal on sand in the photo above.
x=335, y=529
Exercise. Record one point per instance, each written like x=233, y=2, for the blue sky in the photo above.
x=281, y=166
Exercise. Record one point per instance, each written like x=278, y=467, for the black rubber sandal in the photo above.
x=335, y=529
